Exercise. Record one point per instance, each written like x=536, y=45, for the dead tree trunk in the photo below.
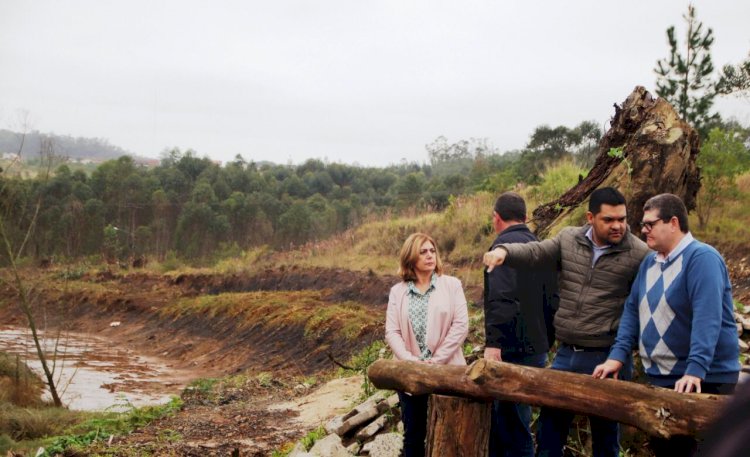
x=657, y=154
x=656, y=411
x=458, y=426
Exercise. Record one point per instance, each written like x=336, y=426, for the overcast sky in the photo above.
x=367, y=82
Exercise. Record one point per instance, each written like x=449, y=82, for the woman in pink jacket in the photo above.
x=427, y=321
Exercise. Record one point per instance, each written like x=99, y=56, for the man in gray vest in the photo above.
x=597, y=264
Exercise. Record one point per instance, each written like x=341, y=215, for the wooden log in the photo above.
x=656, y=411
x=458, y=427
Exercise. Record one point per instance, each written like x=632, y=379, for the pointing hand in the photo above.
x=494, y=258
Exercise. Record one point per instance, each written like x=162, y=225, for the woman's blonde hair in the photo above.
x=410, y=255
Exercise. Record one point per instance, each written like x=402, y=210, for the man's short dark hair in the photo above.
x=605, y=196
x=669, y=206
x=511, y=207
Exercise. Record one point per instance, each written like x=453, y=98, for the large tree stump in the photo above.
x=458, y=427
x=659, y=151
x=656, y=411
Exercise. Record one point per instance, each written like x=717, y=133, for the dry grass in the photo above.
x=18, y=384
x=729, y=226
x=461, y=232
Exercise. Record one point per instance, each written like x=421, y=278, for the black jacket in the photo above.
x=519, y=303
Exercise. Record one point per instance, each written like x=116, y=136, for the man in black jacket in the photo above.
x=518, y=310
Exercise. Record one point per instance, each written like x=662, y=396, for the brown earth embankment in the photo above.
x=212, y=341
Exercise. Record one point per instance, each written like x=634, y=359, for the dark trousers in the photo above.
x=687, y=445
x=510, y=430
x=554, y=424
x=414, y=417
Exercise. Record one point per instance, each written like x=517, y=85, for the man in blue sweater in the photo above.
x=679, y=313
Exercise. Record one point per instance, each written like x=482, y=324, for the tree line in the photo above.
x=198, y=210
x=195, y=208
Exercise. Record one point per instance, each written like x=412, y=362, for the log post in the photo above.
x=656, y=411
x=458, y=427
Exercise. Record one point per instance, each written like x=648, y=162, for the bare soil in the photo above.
x=252, y=420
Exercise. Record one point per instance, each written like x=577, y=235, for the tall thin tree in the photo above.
x=684, y=78
x=14, y=253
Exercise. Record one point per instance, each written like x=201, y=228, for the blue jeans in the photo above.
x=554, y=424
x=414, y=417
x=510, y=431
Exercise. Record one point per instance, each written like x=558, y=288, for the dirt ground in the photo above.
x=251, y=420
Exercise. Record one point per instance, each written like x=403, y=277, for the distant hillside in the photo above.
x=93, y=149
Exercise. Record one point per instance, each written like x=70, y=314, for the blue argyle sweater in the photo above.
x=680, y=315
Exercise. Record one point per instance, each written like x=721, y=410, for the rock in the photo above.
x=745, y=321
x=375, y=405
x=373, y=428
x=330, y=446
x=385, y=445
x=739, y=329
x=400, y=427
x=334, y=424
x=354, y=448
x=744, y=346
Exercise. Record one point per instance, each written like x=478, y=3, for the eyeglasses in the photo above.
x=425, y=251
x=649, y=225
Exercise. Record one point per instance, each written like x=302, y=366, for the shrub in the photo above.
x=18, y=384
x=556, y=180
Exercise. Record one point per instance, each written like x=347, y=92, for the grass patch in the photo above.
x=98, y=429
x=64, y=432
x=309, y=440
x=306, y=309
x=19, y=424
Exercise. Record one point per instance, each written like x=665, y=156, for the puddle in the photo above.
x=95, y=374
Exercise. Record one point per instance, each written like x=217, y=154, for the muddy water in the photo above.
x=94, y=374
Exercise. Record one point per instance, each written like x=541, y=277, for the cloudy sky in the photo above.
x=367, y=82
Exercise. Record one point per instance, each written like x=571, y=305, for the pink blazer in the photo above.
x=447, y=323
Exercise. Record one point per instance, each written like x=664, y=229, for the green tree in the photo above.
x=295, y=225
x=684, y=78
x=409, y=190
x=200, y=227
x=721, y=159
x=735, y=80
x=93, y=227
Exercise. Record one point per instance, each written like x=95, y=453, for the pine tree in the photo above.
x=684, y=80
x=735, y=80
